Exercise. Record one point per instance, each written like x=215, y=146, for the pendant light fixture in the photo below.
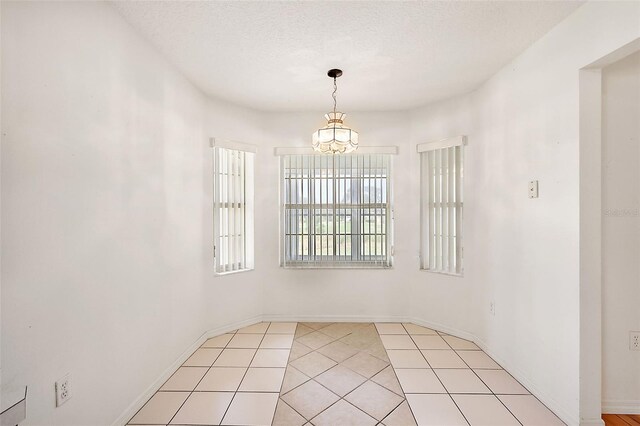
x=335, y=137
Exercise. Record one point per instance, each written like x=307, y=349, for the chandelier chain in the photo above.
x=335, y=89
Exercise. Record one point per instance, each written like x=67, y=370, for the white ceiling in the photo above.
x=274, y=55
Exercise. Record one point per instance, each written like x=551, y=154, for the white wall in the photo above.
x=106, y=214
x=106, y=196
x=621, y=234
x=340, y=294
x=523, y=253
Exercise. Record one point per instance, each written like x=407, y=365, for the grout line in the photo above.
x=245, y=375
x=339, y=363
x=207, y=372
x=288, y=365
x=159, y=390
x=479, y=378
x=441, y=384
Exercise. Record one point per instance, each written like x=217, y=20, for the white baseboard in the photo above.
x=621, y=406
x=444, y=329
x=592, y=422
x=157, y=384
x=333, y=318
x=553, y=405
x=545, y=398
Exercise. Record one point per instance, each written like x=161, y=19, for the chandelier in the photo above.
x=335, y=137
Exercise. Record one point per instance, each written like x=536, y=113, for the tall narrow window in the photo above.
x=233, y=207
x=336, y=210
x=442, y=177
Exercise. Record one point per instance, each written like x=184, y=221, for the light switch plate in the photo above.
x=533, y=189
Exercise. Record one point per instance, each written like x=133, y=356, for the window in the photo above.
x=232, y=207
x=336, y=210
x=441, y=205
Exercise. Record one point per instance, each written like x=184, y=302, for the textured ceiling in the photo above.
x=273, y=55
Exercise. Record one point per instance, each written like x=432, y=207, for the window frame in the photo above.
x=247, y=154
x=331, y=261
x=428, y=209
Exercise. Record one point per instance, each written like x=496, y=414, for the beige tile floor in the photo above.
x=339, y=374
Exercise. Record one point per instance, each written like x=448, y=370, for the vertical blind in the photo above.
x=233, y=212
x=336, y=210
x=442, y=206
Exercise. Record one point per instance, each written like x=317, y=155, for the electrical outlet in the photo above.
x=492, y=308
x=63, y=390
x=634, y=340
x=533, y=189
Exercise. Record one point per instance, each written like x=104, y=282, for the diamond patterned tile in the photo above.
x=302, y=329
x=388, y=379
x=340, y=380
x=292, y=379
x=341, y=329
x=298, y=350
x=315, y=340
x=364, y=364
x=401, y=416
x=316, y=325
x=362, y=338
x=344, y=414
x=313, y=364
x=310, y=399
x=338, y=351
x=287, y=416
x=378, y=351
x=374, y=400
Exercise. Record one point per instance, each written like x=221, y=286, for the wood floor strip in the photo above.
x=632, y=419
x=621, y=419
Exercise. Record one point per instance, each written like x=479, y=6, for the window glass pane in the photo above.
x=339, y=205
x=233, y=209
x=442, y=205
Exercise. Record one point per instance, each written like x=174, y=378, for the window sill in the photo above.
x=222, y=274
x=336, y=267
x=449, y=274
